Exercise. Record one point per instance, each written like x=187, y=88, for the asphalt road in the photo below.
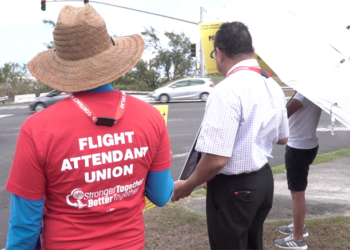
x=184, y=119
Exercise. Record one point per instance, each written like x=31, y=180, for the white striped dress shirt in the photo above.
x=244, y=117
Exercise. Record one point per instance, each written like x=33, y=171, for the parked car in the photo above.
x=51, y=98
x=184, y=89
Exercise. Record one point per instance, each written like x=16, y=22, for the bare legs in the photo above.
x=299, y=212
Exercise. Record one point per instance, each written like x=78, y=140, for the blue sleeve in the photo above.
x=159, y=187
x=25, y=223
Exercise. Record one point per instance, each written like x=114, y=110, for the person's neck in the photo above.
x=103, y=88
x=233, y=61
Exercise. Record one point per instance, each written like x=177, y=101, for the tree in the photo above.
x=11, y=72
x=51, y=44
x=13, y=81
x=175, y=61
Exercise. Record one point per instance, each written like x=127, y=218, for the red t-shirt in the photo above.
x=91, y=177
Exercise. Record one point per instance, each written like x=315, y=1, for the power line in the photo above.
x=118, y=6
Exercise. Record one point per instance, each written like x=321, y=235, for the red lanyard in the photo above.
x=106, y=121
x=247, y=68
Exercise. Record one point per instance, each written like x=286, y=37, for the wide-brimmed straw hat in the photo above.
x=85, y=56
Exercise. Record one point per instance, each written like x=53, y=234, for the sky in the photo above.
x=23, y=34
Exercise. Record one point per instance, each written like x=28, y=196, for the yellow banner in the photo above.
x=263, y=64
x=164, y=112
x=208, y=31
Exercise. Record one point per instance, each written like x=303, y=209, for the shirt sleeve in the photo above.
x=159, y=187
x=300, y=98
x=284, y=126
x=27, y=177
x=220, y=124
x=162, y=159
x=25, y=223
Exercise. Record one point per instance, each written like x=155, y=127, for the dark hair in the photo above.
x=233, y=39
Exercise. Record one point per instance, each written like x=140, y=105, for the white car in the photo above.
x=184, y=89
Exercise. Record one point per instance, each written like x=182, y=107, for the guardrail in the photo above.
x=3, y=99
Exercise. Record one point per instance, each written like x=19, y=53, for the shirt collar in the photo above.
x=248, y=62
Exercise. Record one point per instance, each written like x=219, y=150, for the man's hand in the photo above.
x=181, y=190
x=204, y=185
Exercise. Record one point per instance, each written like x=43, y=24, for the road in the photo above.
x=184, y=119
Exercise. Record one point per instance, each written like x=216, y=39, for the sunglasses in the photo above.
x=213, y=53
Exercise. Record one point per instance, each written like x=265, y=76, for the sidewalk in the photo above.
x=327, y=195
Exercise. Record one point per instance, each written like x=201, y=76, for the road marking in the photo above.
x=176, y=120
x=329, y=128
x=2, y=116
x=180, y=155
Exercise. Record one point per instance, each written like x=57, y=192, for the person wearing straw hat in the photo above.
x=81, y=166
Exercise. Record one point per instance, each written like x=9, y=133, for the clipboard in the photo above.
x=192, y=160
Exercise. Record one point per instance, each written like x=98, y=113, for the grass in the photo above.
x=326, y=233
x=199, y=192
x=176, y=227
x=320, y=158
x=217, y=79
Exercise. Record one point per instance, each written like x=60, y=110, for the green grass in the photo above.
x=278, y=169
x=176, y=227
x=199, y=192
x=320, y=158
x=332, y=233
x=217, y=79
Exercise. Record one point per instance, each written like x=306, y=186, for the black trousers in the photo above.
x=237, y=206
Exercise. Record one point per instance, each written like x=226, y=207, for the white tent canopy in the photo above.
x=307, y=44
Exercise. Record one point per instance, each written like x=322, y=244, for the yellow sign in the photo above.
x=164, y=112
x=208, y=31
x=148, y=205
x=263, y=64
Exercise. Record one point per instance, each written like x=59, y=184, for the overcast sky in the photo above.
x=22, y=32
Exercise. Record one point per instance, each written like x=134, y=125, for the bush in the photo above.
x=136, y=86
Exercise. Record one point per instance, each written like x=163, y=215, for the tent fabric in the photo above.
x=306, y=56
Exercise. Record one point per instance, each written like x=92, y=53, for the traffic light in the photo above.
x=193, y=50
x=43, y=5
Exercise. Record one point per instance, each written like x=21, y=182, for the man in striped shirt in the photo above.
x=244, y=118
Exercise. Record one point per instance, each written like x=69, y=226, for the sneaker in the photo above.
x=290, y=229
x=290, y=243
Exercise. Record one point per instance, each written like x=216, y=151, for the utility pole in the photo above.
x=8, y=90
x=201, y=48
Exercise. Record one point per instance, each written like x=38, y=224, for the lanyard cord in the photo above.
x=105, y=121
x=260, y=71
